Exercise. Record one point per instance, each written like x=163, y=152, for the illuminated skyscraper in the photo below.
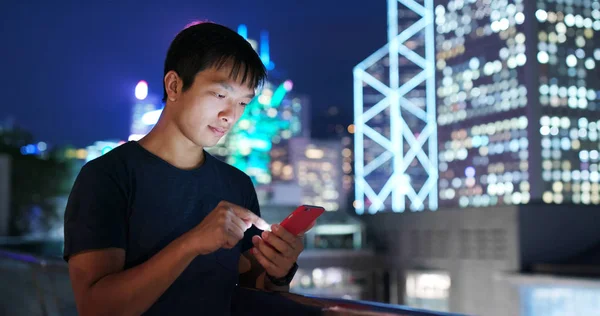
x=482, y=99
x=517, y=101
x=317, y=171
x=297, y=107
x=395, y=120
x=566, y=94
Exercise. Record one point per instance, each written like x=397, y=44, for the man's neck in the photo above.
x=167, y=142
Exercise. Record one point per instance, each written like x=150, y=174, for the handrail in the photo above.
x=383, y=307
x=45, y=266
x=330, y=306
x=31, y=259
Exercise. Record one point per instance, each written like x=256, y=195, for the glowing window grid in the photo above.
x=395, y=124
x=568, y=54
x=481, y=94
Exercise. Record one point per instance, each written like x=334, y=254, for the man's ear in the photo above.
x=173, y=86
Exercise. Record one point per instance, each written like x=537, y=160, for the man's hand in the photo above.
x=277, y=251
x=224, y=227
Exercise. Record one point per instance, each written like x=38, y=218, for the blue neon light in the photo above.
x=243, y=31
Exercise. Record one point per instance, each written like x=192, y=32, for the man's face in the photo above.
x=211, y=106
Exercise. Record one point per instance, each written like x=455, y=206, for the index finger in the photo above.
x=249, y=216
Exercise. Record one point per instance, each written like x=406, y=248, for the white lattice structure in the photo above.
x=397, y=115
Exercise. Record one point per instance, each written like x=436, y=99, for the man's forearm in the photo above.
x=133, y=291
x=256, y=277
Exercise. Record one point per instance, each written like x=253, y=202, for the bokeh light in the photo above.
x=141, y=90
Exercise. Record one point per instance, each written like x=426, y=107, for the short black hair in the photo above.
x=205, y=45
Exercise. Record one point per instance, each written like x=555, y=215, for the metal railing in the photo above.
x=39, y=285
x=33, y=285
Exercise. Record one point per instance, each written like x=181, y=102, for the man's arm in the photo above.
x=253, y=275
x=102, y=287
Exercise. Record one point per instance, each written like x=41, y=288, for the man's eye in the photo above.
x=220, y=96
x=243, y=103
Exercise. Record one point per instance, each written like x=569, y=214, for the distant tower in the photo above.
x=394, y=112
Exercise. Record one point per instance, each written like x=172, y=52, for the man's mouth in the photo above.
x=218, y=131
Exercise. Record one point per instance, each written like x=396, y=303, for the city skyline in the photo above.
x=495, y=146
x=83, y=70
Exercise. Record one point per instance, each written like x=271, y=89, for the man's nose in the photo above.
x=227, y=115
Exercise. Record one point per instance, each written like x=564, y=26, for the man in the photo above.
x=161, y=227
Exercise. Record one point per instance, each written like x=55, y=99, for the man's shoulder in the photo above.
x=230, y=171
x=112, y=162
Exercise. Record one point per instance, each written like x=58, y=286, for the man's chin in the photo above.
x=210, y=144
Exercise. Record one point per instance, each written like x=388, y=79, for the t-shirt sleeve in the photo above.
x=95, y=217
x=253, y=206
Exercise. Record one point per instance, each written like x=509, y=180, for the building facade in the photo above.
x=318, y=173
x=517, y=102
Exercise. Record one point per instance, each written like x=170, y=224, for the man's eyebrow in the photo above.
x=225, y=85
x=228, y=87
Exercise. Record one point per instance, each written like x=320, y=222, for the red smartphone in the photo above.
x=299, y=220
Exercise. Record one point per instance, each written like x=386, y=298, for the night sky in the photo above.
x=69, y=69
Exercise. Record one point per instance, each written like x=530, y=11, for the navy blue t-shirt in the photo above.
x=131, y=199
